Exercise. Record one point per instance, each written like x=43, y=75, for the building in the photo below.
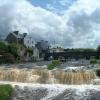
x=24, y=42
x=29, y=42
x=43, y=47
x=16, y=37
x=58, y=49
x=35, y=54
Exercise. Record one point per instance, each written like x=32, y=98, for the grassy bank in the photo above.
x=5, y=92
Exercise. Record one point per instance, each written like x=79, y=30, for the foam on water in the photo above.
x=57, y=89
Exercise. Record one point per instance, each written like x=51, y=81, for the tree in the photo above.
x=13, y=49
x=3, y=47
x=98, y=48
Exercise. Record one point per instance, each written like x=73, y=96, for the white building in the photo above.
x=35, y=54
x=29, y=42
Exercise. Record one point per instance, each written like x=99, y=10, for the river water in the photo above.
x=42, y=84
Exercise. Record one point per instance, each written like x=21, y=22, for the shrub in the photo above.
x=93, y=61
x=50, y=66
x=13, y=49
x=54, y=64
x=8, y=58
x=98, y=72
x=30, y=51
x=3, y=47
x=5, y=92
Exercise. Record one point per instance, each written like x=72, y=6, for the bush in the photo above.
x=54, y=64
x=98, y=72
x=7, y=58
x=93, y=61
x=3, y=47
x=30, y=51
x=13, y=49
x=5, y=92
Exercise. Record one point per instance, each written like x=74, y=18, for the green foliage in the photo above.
x=30, y=51
x=80, y=50
x=9, y=49
x=3, y=47
x=93, y=61
x=98, y=72
x=5, y=92
x=54, y=64
x=98, y=48
x=13, y=49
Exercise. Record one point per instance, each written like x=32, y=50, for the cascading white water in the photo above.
x=29, y=91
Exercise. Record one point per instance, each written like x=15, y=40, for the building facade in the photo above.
x=29, y=42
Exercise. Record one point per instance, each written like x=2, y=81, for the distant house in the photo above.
x=35, y=53
x=24, y=42
x=16, y=37
x=29, y=42
x=43, y=47
x=58, y=49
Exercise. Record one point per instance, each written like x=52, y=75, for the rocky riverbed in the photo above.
x=56, y=92
x=66, y=66
x=26, y=91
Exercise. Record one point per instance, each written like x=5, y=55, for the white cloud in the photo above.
x=21, y=15
x=78, y=27
x=64, y=2
x=82, y=20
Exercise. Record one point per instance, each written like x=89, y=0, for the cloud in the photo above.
x=82, y=20
x=21, y=15
x=78, y=27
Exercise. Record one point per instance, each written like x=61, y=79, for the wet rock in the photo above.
x=93, y=95
x=74, y=94
x=28, y=93
x=66, y=95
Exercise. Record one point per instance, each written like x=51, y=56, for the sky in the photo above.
x=67, y=23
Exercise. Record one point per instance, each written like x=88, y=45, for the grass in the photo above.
x=5, y=92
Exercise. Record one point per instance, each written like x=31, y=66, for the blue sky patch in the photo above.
x=57, y=6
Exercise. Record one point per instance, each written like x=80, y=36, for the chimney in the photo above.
x=24, y=35
x=16, y=32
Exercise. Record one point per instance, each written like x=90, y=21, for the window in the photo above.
x=28, y=41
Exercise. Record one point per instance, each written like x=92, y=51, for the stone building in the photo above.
x=16, y=37
x=43, y=47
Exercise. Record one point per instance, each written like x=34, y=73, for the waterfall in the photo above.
x=44, y=76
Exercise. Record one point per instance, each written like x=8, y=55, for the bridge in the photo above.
x=72, y=55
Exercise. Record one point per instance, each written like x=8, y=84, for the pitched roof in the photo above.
x=20, y=36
